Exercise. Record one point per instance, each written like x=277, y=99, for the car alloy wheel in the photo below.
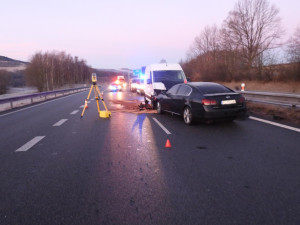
x=187, y=115
x=158, y=107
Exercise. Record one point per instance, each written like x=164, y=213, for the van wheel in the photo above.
x=158, y=108
x=187, y=115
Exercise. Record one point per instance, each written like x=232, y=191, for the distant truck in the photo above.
x=161, y=77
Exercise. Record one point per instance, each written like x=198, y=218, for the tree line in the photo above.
x=51, y=70
x=4, y=81
x=244, y=47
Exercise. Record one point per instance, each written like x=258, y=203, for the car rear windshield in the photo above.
x=213, y=89
x=168, y=75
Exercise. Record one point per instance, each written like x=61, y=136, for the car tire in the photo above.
x=159, y=108
x=187, y=115
x=154, y=103
x=146, y=101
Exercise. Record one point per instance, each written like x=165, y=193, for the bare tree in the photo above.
x=206, y=41
x=52, y=70
x=293, y=52
x=293, y=49
x=204, y=52
x=254, y=27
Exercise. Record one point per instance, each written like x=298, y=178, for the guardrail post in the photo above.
x=11, y=104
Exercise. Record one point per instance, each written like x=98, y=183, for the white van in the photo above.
x=161, y=77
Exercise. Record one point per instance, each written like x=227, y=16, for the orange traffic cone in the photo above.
x=168, y=144
x=85, y=104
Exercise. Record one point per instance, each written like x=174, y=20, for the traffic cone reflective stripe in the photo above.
x=168, y=144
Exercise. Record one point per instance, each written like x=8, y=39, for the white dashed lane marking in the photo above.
x=162, y=126
x=74, y=112
x=30, y=144
x=59, y=123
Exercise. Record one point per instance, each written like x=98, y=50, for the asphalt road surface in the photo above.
x=56, y=168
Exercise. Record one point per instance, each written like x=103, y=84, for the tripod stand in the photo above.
x=103, y=114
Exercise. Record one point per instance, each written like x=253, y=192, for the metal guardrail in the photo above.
x=280, y=99
x=40, y=96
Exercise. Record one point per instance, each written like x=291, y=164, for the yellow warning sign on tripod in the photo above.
x=98, y=95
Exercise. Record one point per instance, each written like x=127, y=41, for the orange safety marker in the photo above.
x=86, y=104
x=168, y=144
x=243, y=87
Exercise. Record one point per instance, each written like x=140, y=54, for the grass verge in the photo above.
x=283, y=87
x=280, y=114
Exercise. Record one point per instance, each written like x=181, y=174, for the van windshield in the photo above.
x=168, y=75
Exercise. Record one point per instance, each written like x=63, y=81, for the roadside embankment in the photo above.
x=283, y=114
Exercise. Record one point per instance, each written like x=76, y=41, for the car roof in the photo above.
x=209, y=87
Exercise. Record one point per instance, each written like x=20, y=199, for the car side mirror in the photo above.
x=149, y=81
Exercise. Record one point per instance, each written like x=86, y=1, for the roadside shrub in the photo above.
x=4, y=81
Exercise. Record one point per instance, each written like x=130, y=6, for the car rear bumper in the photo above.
x=222, y=114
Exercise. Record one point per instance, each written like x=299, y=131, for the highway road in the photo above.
x=56, y=168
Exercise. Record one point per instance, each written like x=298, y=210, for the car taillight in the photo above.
x=242, y=99
x=209, y=102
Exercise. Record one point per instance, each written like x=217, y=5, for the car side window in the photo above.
x=184, y=90
x=173, y=90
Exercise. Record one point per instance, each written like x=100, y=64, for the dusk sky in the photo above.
x=115, y=33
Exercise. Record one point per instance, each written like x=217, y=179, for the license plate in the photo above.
x=228, y=102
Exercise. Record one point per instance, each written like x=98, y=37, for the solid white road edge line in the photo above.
x=39, y=104
x=59, y=123
x=74, y=112
x=275, y=124
x=162, y=127
x=30, y=144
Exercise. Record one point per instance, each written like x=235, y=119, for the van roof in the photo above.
x=165, y=66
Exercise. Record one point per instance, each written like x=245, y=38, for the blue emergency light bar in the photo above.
x=136, y=72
